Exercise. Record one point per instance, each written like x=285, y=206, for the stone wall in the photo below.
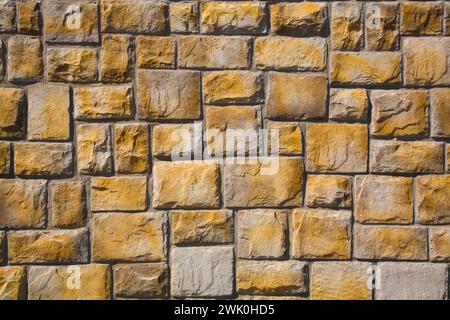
x=93, y=204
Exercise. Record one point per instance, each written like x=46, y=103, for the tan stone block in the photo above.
x=328, y=191
x=28, y=16
x=321, y=234
x=298, y=19
x=287, y=53
x=233, y=17
x=13, y=282
x=72, y=64
x=155, y=52
x=349, y=104
x=384, y=199
x=48, y=112
x=381, y=26
x=24, y=59
x=228, y=129
x=421, y=18
x=447, y=18
x=2, y=50
x=119, y=194
x=7, y=16
x=432, y=196
x=296, y=96
x=76, y=282
x=206, y=227
x=440, y=244
x=12, y=108
x=132, y=148
x=392, y=156
x=340, y=281
x=55, y=246
x=365, y=68
x=186, y=184
x=448, y=158
x=22, y=203
x=135, y=237
x=440, y=112
x=263, y=182
x=390, y=242
x=2, y=247
x=261, y=234
x=67, y=204
x=336, y=148
x=184, y=17
x=175, y=140
x=5, y=158
x=73, y=23
x=212, y=52
x=271, y=277
x=289, y=138
x=43, y=159
x=141, y=281
x=94, y=151
x=115, y=58
x=400, y=113
x=105, y=102
x=133, y=16
x=425, y=61
x=233, y=87
x=346, y=25
x=167, y=94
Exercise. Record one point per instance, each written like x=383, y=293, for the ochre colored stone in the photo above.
x=321, y=234
x=22, y=203
x=390, y=243
x=5, y=158
x=7, y=16
x=349, y=104
x=206, y=227
x=287, y=53
x=184, y=17
x=365, y=68
x=119, y=194
x=72, y=64
x=43, y=159
x=421, y=18
x=186, y=184
x=271, y=277
x=2, y=247
x=440, y=243
x=50, y=246
x=28, y=16
x=396, y=156
x=296, y=96
x=12, y=108
x=155, y=52
x=233, y=87
x=48, y=112
x=298, y=19
x=67, y=204
x=75, y=282
x=115, y=58
x=381, y=26
x=167, y=94
x=108, y=102
x=347, y=25
x=136, y=237
x=336, y=148
x=94, y=154
x=432, y=196
x=13, y=282
x=213, y=52
x=440, y=112
x=289, y=139
x=263, y=182
x=141, y=281
x=132, y=148
x=340, y=281
x=175, y=140
x=328, y=191
x=399, y=113
x=24, y=59
x=261, y=234
x=384, y=199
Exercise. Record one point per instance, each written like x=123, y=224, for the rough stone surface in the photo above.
x=155, y=52
x=132, y=141
x=346, y=26
x=348, y=104
x=24, y=59
x=115, y=58
x=440, y=243
x=184, y=17
x=7, y=17
x=28, y=16
x=77, y=65
x=12, y=106
x=5, y=158
x=421, y=18
x=440, y=113
x=174, y=140
x=432, y=194
x=289, y=140
x=381, y=26
x=68, y=204
x=13, y=283
x=328, y=191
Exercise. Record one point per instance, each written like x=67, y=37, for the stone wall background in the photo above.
x=91, y=207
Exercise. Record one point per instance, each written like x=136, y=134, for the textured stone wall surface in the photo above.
x=95, y=97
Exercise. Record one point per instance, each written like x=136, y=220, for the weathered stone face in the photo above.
x=72, y=64
x=7, y=17
x=13, y=283
x=174, y=139
x=421, y=18
x=28, y=16
x=155, y=52
x=381, y=26
x=67, y=203
x=115, y=58
x=328, y=191
x=132, y=148
x=348, y=104
x=289, y=138
x=440, y=115
x=184, y=17
x=5, y=158
x=12, y=106
x=432, y=194
x=440, y=243
x=24, y=59
x=346, y=26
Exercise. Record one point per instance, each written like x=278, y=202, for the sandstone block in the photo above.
x=28, y=16
x=421, y=18
x=155, y=52
x=115, y=58
x=132, y=148
x=184, y=17
x=176, y=140
x=12, y=108
x=348, y=104
x=440, y=113
x=24, y=59
x=328, y=191
x=72, y=64
x=289, y=138
x=381, y=26
x=432, y=205
x=440, y=243
x=5, y=158
x=67, y=203
x=7, y=16
x=13, y=281
x=2, y=246
x=346, y=25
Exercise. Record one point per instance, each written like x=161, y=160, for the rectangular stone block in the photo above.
x=25, y=59
x=28, y=16
x=12, y=109
x=432, y=194
x=346, y=25
x=5, y=158
x=13, y=281
x=349, y=105
x=440, y=113
x=78, y=65
x=132, y=148
x=49, y=246
x=439, y=243
x=184, y=17
x=136, y=237
x=2, y=246
x=290, y=138
x=328, y=191
x=263, y=182
x=67, y=204
x=155, y=52
x=119, y=194
x=7, y=16
x=381, y=26
x=421, y=18
x=115, y=58
x=176, y=141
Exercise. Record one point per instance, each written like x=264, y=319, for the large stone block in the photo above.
x=67, y=204
x=5, y=158
x=115, y=58
x=421, y=18
x=132, y=148
x=12, y=109
x=77, y=65
x=432, y=194
x=13, y=282
x=328, y=191
x=440, y=113
x=381, y=26
x=347, y=25
x=25, y=59
x=439, y=243
x=155, y=52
